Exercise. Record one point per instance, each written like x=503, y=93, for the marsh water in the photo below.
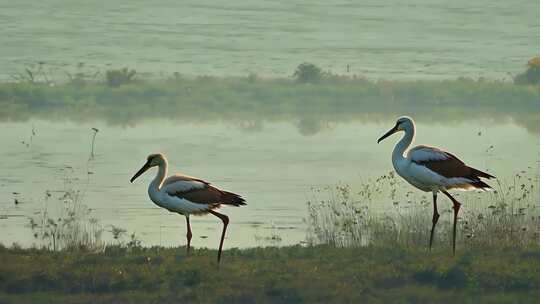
x=274, y=166
x=416, y=39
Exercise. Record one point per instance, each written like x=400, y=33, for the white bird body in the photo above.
x=414, y=166
x=431, y=169
x=163, y=193
x=187, y=195
x=409, y=171
x=415, y=175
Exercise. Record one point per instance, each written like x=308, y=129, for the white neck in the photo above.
x=156, y=183
x=402, y=146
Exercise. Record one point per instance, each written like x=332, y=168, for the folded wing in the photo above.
x=456, y=173
x=200, y=192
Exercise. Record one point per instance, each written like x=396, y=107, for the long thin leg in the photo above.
x=456, y=210
x=188, y=235
x=434, y=220
x=225, y=220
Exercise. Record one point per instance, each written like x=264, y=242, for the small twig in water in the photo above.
x=28, y=143
x=95, y=131
x=30, y=75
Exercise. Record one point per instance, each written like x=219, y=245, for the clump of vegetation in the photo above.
x=115, y=78
x=339, y=217
x=81, y=76
x=65, y=223
x=308, y=73
x=509, y=217
x=252, y=77
x=35, y=74
x=118, y=233
x=532, y=74
x=77, y=79
x=382, y=213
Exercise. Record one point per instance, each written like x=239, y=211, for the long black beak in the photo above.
x=141, y=171
x=392, y=131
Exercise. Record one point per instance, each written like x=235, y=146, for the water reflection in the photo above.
x=273, y=164
x=313, y=124
x=307, y=123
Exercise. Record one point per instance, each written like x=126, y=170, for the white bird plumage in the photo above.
x=431, y=169
x=187, y=195
x=166, y=194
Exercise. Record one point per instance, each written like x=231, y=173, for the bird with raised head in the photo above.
x=433, y=170
x=187, y=195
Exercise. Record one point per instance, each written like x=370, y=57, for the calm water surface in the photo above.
x=415, y=39
x=274, y=167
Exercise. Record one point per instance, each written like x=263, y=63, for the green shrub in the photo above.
x=308, y=73
x=531, y=75
x=115, y=78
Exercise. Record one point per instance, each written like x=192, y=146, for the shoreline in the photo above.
x=251, y=100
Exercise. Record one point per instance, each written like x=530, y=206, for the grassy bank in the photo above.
x=252, y=99
x=277, y=275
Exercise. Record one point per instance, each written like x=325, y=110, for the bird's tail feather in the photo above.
x=229, y=198
x=476, y=172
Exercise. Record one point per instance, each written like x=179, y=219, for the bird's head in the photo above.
x=404, y=123
x=153, y=160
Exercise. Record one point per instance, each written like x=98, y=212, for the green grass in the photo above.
x=508, y=216
x=252, y=99
x=295, y=274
